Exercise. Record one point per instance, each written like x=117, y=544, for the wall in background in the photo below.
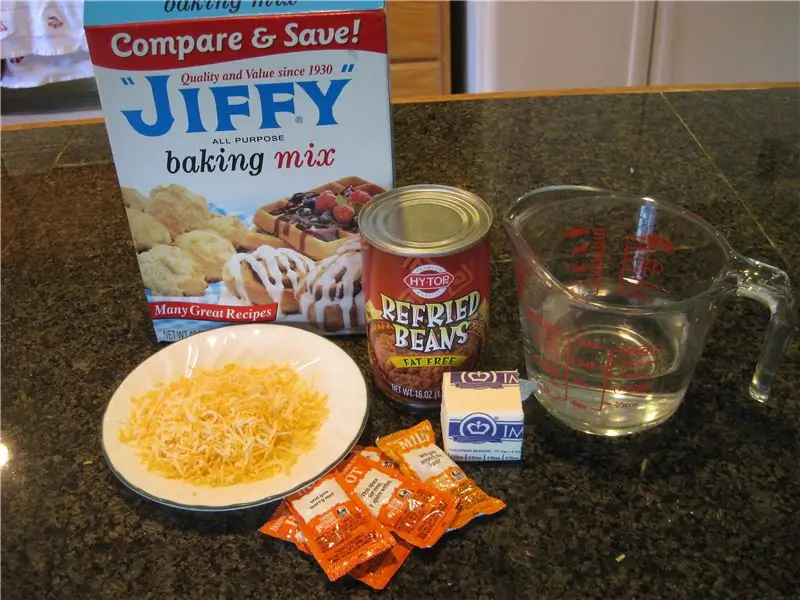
x=513, y=46
x=728, y=42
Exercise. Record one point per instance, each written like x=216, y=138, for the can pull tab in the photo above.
x=526, y=388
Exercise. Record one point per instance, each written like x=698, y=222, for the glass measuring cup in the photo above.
x=616, y=297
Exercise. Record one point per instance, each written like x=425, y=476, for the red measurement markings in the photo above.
x=588, y=366
x=576, y=232
x=549, y=392
x=634, y=358
x=617, y=404
x=598, y=255
x=581, y=343
x=548, y=339
x=566, y=373
x=548, y=367
x=624, y=268
x=637, y=268
x=653, y=243
x=633, y=352
x=593, y=250
x=635, y=388
x=536, y=319
x=606, y=373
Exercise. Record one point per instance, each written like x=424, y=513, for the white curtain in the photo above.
x=42, y=42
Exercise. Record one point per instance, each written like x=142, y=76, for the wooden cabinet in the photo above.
x=419, y=47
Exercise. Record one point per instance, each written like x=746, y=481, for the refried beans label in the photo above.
x=425, y=316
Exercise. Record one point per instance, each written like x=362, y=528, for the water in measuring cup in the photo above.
x=604, y=373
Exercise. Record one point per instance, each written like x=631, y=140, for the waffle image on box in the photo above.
x=482, y=418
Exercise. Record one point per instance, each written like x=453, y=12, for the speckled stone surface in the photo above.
x=707, y=505
x=759, y=156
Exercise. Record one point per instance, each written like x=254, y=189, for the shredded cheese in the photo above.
x=226, y=426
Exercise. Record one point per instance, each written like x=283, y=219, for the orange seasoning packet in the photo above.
x=355, y=450
x=283, y=525
x=376, y=572
x=416, y=451
x=340, y=531
x=374, y=454
x=413, y=511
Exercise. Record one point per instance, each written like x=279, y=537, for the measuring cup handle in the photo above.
x=771, y=287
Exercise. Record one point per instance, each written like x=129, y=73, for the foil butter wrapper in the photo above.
x=482, y=417
x=526, y=388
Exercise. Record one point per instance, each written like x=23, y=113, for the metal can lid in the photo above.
x=425, y=220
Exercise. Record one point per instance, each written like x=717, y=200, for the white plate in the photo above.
x=327, y=367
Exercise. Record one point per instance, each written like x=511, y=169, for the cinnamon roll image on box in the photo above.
x=332, y=294
x=233, y=133
x=268, y=276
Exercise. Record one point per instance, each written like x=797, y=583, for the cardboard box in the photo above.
x=482, y=417
x=246, y=136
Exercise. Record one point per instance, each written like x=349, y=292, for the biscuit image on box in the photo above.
x=177, y=208
x=133, y=198
x=318, y=221
x=267, y=276
x=332, y=296
x=209, y=250
x=147, y=231
x=229, y=227
x=170, y=271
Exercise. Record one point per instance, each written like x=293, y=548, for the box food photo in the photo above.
x=247, y=137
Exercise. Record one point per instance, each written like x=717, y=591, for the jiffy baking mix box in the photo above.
x=247, y=136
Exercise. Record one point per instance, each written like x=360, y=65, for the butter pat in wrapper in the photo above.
x=482, y=418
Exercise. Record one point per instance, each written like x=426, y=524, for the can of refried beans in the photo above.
x=426, y=260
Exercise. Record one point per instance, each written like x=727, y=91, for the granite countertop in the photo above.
x=707, y=505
